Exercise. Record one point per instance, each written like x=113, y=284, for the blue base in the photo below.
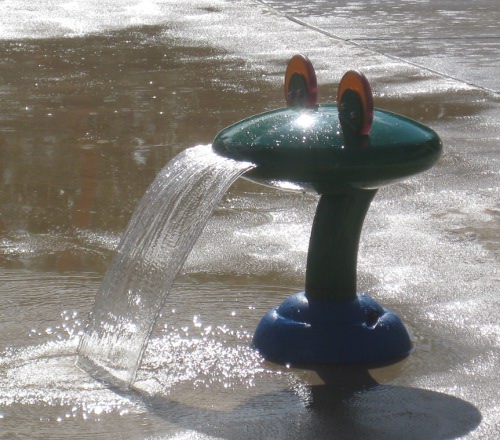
x=307, y=331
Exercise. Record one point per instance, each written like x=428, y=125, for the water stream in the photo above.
x=164, y=228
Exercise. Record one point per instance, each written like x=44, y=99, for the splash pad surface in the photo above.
x=96, y=126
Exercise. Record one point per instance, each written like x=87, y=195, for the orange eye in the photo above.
x=355, y=102
x=301, y=88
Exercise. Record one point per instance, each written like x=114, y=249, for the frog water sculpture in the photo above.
x=345, y=152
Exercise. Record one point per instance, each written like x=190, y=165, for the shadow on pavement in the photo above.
x=349, y=405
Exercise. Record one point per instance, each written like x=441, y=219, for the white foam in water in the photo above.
x=153, y=249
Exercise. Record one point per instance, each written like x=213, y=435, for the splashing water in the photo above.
x=160, y=235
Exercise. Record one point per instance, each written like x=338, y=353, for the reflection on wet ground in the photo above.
x=85, y=125
x=77, y=152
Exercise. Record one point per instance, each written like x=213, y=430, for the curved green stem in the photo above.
x=333, y=247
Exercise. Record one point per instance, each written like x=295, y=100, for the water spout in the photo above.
x=152, y=251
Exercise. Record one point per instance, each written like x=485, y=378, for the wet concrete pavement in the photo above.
x=96, y=97
x=458, y=39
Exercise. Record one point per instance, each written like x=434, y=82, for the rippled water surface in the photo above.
x=95, y=99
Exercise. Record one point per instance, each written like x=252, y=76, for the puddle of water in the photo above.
x=87, y=122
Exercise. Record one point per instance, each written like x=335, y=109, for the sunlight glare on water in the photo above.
x=97, y=96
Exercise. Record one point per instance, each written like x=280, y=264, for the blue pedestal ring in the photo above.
x=313, y=331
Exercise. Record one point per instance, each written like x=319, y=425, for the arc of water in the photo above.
x=152, y=251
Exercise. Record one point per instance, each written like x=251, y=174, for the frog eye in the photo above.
x=301, y=88
x=355, y=103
